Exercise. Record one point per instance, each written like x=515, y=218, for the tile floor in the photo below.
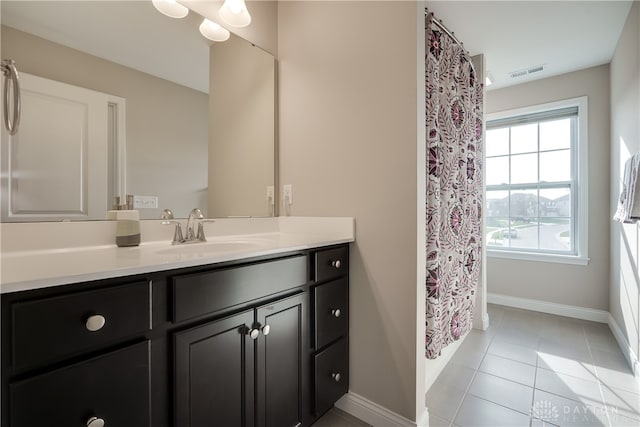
x=534, y=369
x=337, y=418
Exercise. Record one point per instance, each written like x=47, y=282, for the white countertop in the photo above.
x=23, y=268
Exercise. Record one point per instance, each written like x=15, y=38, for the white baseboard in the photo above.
x=627, y=351
x=376, y=415
x=550, y=307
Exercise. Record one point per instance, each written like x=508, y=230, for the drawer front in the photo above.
x=332, y=263
x=331, y=374
x=49, y=329
x=200, y=294
x=331, y=311
x=114, y=387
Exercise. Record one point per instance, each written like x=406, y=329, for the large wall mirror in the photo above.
x=120, y=99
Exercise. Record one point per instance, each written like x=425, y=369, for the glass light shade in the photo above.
x=214, y=31
x=235, y=13
x=170, y=8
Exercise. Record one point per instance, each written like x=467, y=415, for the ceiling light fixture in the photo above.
x=214, y=31
x=170, y=8
x=235, y=13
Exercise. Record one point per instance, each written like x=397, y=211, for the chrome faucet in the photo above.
x=192, y=235
x=167, y=219
x=193, y=215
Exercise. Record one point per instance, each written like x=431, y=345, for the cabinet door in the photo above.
x=214, y=373
x=282, y=368
x=113, y=387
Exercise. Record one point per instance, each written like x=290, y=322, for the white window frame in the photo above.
x=581, y=208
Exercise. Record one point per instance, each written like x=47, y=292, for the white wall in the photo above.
x=624, y=299
x=583, y=286
x=348, y=143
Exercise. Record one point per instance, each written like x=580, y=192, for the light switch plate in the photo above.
x=145, y=202
x=287, y=194
x=270, y=195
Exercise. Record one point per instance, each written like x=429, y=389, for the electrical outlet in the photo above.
x=145, y=202
x=270, y=195
x=287, y=194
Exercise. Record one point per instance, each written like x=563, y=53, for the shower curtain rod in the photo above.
x=431, y=16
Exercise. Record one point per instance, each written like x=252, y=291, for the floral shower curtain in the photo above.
x=454, y=188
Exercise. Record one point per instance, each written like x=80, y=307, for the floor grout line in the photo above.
x=595, y=369
x=579, y=333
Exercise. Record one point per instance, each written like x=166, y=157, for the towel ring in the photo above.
x=10, y=74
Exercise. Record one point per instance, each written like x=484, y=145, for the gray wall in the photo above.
x=348, y=144
x=241, y=129
x=624, y=299
x=583, y=286
x=166, y=123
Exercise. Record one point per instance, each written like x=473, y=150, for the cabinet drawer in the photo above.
x=114, y=387
x=331, y=375
x=331, y=263
x=331, y=309
x=49, y=329
x=199, y=294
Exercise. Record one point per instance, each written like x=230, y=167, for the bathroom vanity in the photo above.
x=259, y=339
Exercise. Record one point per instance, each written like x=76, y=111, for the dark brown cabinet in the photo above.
x=214, y=373
x=282, y=363
x=330, y=355
x=253, y=343
x=77, y=357
x=113, y=388
x=215, y=376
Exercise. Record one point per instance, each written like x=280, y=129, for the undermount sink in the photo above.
x=210, y=247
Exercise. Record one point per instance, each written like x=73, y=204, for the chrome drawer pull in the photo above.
x=336, y=377
x=254, y=333
x=336, y=264
x=336, y=312
x=95, y=422
x=95, y=323
x=266, y=329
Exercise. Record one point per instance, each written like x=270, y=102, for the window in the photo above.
x=536, y=199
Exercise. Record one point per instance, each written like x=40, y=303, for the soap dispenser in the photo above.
x=127, y=223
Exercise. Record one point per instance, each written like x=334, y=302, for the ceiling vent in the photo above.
x=526, y=71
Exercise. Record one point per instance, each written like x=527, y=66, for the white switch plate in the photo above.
x=145, y=202
x=287, y=194
x=270, y=194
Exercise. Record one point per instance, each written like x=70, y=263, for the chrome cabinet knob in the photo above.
x=266, y=329
x=254, y=333
x=336, y=377
x=336, y=312
x=336, y=264
x=95, y=323
x=95, y=422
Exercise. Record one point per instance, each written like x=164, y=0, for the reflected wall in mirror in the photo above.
x=158, y=69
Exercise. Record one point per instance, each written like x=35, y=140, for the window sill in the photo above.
x=538, y=257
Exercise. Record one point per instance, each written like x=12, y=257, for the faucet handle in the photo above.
x=196, y=213
x=177, y=234
x=201, y=237
x=166, y=214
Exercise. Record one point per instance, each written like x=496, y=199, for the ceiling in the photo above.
x=131, y=33
x=562, y=36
